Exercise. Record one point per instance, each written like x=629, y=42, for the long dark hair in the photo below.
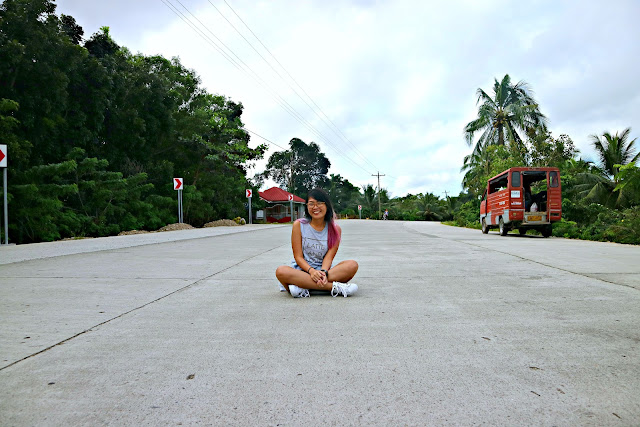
x=320, y=195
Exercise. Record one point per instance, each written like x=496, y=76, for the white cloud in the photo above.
x=399, y=78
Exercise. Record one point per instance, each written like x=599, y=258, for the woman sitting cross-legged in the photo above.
x=315, y=240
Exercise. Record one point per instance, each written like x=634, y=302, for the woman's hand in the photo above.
x=318, y=276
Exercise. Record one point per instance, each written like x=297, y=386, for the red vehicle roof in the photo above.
x=524, y=169
x=275, y=194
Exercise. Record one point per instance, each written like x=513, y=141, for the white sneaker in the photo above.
x=345, y=289
x=282, y=288
x=297, y=292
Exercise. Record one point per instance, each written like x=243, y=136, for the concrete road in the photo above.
x=450, y=327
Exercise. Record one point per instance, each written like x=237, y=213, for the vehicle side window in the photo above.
x=498, y=184
x=515, y=179
x=553, y=179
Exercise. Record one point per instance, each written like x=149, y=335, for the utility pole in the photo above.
x=291, y=173
x=379, y=203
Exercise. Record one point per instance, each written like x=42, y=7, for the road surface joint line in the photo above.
x=138, y=308
x=586, y=275
x=465, y=242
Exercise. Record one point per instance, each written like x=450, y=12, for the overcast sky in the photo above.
x=398, y=79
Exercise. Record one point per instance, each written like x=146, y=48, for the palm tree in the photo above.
x=511, y=110
x=600, y=185
x=368, y=197
x=614, y=151
x=451, y=205
x=429, y=207
x=477, y=166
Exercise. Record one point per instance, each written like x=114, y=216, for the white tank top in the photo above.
x=314, y=245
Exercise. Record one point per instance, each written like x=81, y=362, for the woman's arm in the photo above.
x=330, y=255
x=296, y=245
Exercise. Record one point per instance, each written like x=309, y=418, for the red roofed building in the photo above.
x=279, y=209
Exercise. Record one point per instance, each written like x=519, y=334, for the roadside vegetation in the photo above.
x=95, y=135
x=601, y=199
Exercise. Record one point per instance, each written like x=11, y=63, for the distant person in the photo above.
x=315, y=240
x=385, y=215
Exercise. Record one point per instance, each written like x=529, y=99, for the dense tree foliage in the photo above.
x=344, y=195
x=603, y=183
x=300, y=168
x=95, y=134
x=600, y=201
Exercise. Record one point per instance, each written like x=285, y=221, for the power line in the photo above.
x=254, y=76
x=283, y=103
x=341, y=134
x=259, y=136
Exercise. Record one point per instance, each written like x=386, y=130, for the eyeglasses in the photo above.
x=314, y=204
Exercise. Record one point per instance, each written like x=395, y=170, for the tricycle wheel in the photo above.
x=522, y=231
x=546, y=230
x=503, y=229
x=485, y=229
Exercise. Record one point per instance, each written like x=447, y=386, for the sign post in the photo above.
x=3, y=165
x=291, y=207
x=360, y=211
x=178, y=183
x=248, y=192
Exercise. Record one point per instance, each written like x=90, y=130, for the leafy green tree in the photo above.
x=503, y=117
x=629, y=177
x=71, y=28
x=369, y=201
x=101, y=44
x=96, y=133
x=615, y=150
x=467, y=214
x=429, y=207
x=19, y=148
x=403, y=208
x=477, y=167
x=602, y=183
x=300, y=168
x=547, y=151
x=107, y=203
x=41, y=191
x=344, y=195
x=450, y=206
x=216, y=161
x=36, y=58
x=486, y=164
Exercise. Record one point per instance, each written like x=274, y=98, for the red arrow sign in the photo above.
x=249, y=193
x=177, y=183
x=3, y=156
x=290, y=197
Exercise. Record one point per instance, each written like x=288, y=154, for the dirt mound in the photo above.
x=221, y=223
x=130, y=232
x=177, y=226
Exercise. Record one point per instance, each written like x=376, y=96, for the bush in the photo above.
x=566, y=229
x=348, y=213
x=602, y=221
x=468, y=215
x=627, y=230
